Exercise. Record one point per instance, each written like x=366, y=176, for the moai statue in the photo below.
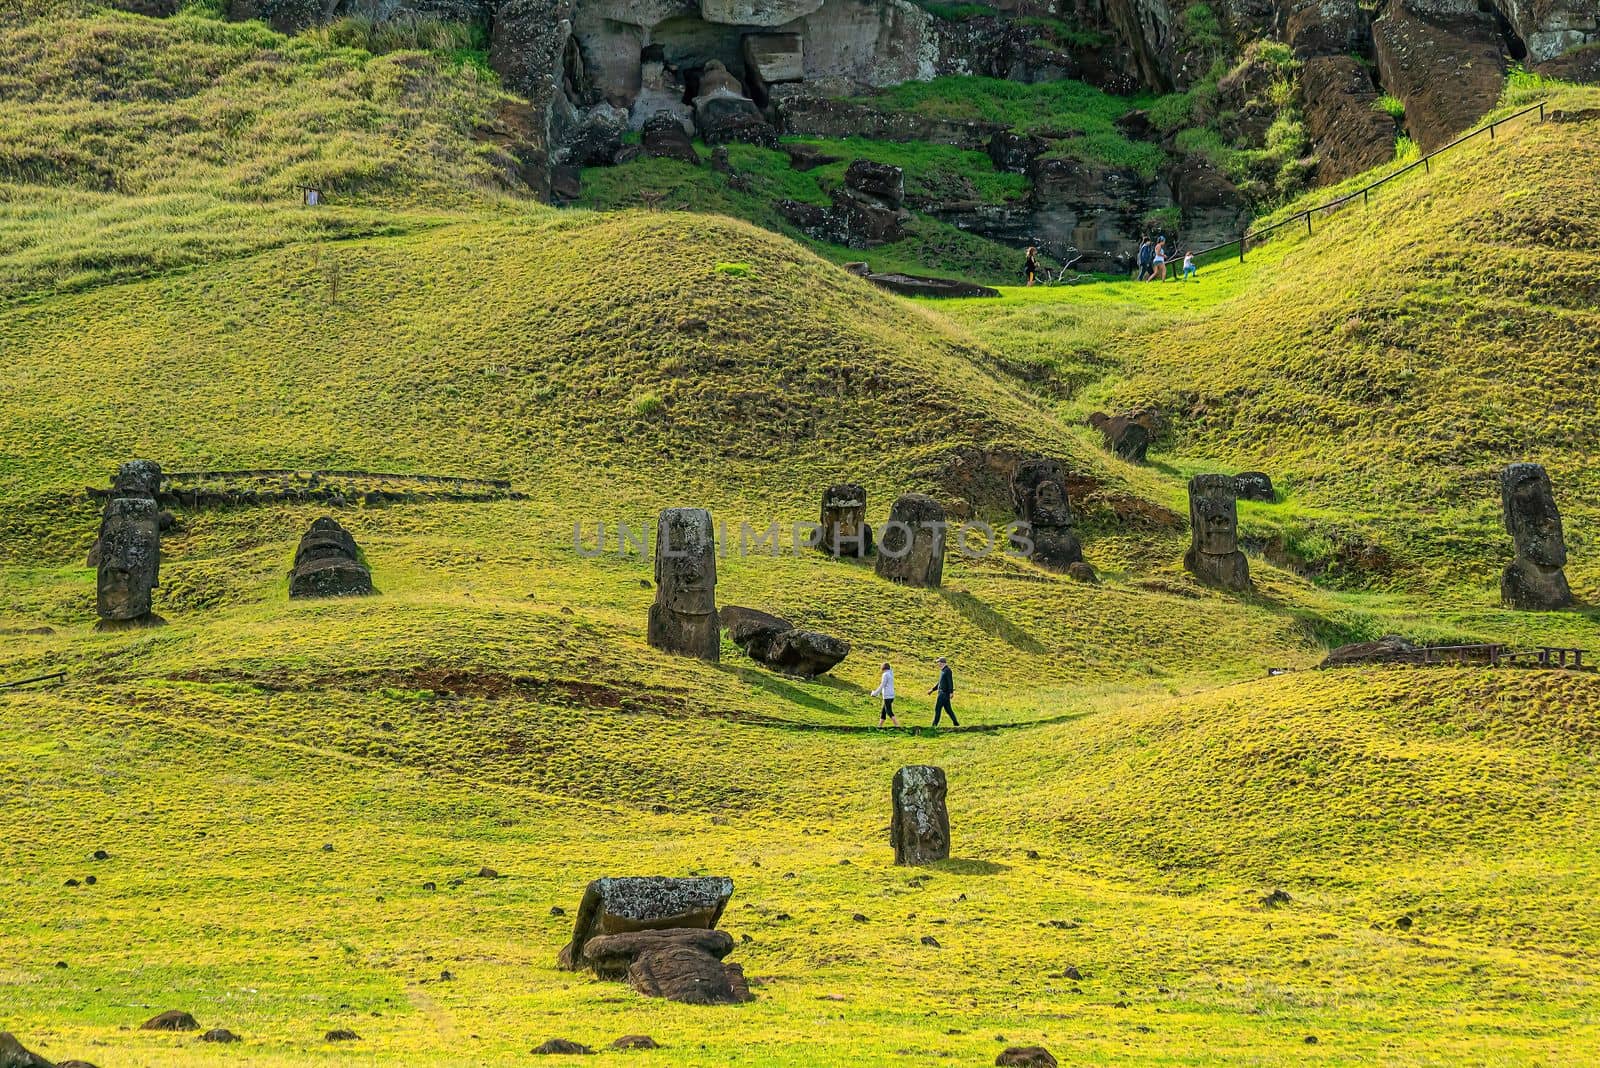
x=130, y=564
x=328, y=564
x=1039, y=491
x=921, y=828
x=844, y=521
x=911, y=544
x=1535, y=579
x=684, y=618
x=135, y=478
x=1128, y=436
x=1214, y=557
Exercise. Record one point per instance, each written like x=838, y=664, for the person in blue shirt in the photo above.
x=944, y=688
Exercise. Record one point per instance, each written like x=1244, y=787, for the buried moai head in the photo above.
x=920, y=831
x=1039, y=491
x=911, y=543
x=130, y=560
x=1528, y=503
x=683, y=619
x=328, y=564
x=137, y=478
x=1214, y=557
x=1534, y=579
x=844, y=521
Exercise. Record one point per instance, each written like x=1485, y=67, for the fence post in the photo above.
x=1491, y=131
x=1541, y=111
x=1365, y=202
x=1426, y=169
x=1241, y=246
x=1308, y=222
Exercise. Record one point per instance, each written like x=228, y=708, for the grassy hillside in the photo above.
x=295, y=796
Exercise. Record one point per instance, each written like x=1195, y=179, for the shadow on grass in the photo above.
x=991, y=622
x=960, y=866
x=779, y=686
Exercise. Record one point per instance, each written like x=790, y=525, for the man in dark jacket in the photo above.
x=1146, y=258
x=944, y=688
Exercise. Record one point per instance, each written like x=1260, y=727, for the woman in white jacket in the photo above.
x=885, y=690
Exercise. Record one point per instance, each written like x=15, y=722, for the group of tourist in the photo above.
x=944, y=688
x=1150, y=265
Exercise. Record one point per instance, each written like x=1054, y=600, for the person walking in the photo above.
x=944, y=688
x=1188, y=266
x=1030, y=267
x=1145, y=257
x=885, y=690
x=1158, y=263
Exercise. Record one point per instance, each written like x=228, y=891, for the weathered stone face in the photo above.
x=844, y=521
x=137, y=478
x=130, y=560
x=911, y=545
x=327, y=563
x=644, y=903
x=1214, y=557
x=920, y=831
x=684, y=618
x=1534, y=580
x=1039, y=492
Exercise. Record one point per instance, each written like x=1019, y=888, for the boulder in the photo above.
x=1014, y=152
x=13, y=1055
x=880, y=183
x=665, y=137
x=171, y=1020
x=1349, y=131
x=561, y=1046
x=327, y=563
x=1390, y=649
x=920, y=829
x=635, y=1042
x=644, y=903
x=911, y=544
x=1448, y=69
x=220, y=1035
x=611, y=955
x=1025, y=1057
x=1254, y=486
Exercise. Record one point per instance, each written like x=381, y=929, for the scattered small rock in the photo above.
x=72, y=882
x=1311, y=1040
x=341, y=1034
x=561, y=1045
x=61, y=964
x=171, y=1020
x=1071, y=972
x=783, y=916
x=557, y=910
x=1404, y=922
x=327, y=847
x=635, y=1042
x=1033, y=854
x=430, y=886
x=101, y=854
x=89, y=880
x=446, y=976
x=859, y=917
x=1276, y=898
x=219, y=1034
x=488, y=873
x=929, y=940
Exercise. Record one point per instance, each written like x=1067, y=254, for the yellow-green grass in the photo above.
x=1140, y=787
x=131, y=145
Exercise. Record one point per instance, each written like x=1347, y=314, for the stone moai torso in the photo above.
x=684, y=618
x=921, y=828
x=1535, y=579
x=130, y=563
x=327, y=563
x=911, y=544
x=1039, y=491
x=1214, y=557
x=844, y=521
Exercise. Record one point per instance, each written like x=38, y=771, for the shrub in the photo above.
x=1392, y=106
x=734, y=270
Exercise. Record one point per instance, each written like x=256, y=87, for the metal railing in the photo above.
x=1244, y=240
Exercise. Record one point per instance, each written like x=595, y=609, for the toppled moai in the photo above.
x=683, y=619
x=911, y=544
x=328, y=563
x=1214, y=557
x=1129, y=436
x=920, y=831
x=780, y=645
x=844, y=521
x=660, y=935
x=1039, y=491
x=1535, y=579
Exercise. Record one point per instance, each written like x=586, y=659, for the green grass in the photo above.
x=1143, y=786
